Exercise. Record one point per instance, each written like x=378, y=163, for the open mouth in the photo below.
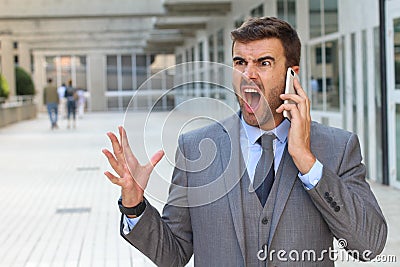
x=251, y=97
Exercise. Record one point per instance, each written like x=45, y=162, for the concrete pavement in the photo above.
x=58, y=209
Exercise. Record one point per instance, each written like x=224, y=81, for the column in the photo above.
x=24, y=57
x=7, y=63
x=97, y=81
x=39, y=78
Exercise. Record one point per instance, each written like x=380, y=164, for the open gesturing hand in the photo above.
x=133, y=177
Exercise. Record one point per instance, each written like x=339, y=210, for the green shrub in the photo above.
x=24, y=83
x=4, y=89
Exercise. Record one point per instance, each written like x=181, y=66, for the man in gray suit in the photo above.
x=312, y=189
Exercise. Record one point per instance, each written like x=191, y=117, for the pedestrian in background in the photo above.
x=63, y=101
x=81, y=102
x=72, y=97
x=51, y=100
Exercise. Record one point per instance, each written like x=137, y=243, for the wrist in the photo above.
x=305, y=162
x=131, y=199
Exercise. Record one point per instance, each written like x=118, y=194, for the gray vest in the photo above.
x=257, y=220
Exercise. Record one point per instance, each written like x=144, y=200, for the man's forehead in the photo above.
x=259, y=48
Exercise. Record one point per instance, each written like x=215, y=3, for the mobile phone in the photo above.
x=289, y=89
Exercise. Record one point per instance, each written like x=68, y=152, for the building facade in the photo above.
x=113, y=49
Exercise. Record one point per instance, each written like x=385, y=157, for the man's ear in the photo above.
x=296, y=69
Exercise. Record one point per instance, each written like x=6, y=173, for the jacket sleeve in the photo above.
x=166, y=240
x=348, y=205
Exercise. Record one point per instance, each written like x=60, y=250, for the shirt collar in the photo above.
x=253, y=133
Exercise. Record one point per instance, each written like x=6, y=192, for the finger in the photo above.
x=292, y=108
x=129, y=156
x=112, y=178
x=117, y=149
x=154, y=160
x=302, y=102
x=113, y=162
x=299, y=90
x=295, y=98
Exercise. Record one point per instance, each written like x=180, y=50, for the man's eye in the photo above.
x=265, y=63
x=239, y=62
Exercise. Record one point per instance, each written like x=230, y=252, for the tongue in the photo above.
x=252, y=99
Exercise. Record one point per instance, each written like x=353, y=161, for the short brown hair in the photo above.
x=254, y=29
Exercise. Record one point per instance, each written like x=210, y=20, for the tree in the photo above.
x=4, y=89
x=24, y=83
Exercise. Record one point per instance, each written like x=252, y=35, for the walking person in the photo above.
x=51, y=100
x=72, y=97
x=81, y=102
x=62, y=111
x=275, y=185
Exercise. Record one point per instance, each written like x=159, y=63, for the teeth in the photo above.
x=250, y=90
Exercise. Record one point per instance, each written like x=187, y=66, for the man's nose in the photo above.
x=250, y=71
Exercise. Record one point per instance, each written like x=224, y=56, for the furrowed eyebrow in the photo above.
x=238, y=58
x=266, y=57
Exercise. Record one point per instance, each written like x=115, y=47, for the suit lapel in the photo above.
x=288, y=176
x=233, y=168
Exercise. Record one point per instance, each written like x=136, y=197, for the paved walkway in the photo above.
x=58, y=209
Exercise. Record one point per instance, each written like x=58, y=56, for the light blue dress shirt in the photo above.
x=251, y=151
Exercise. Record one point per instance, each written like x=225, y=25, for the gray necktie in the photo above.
x=264, y=175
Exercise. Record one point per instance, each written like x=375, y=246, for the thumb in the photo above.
x=155, y=159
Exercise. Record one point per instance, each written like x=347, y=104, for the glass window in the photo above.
x=112, y=73
x=178, y=59
x=354, y=84
x=343, y=80
x=365, y=92
x=80, y=68
x=51, y=69
x=239, y=22
x=201, y=54
x=330, y=16
x=126, y=65
x=141, y=69
x=220, y=46
x=396, y=40
x=315, y=18
x=211, y=48
x=325, y=86
x=323, y=17
x=332, y=75
x=378, y=105
x=316, y=77
x=287, y=11
x=66, y=70
x=398, y=141
x=258, y=11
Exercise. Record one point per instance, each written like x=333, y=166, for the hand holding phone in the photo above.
x=289, y=89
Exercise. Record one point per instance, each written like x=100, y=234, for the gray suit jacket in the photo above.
x=204, y=213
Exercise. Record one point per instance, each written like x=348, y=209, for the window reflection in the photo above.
x=325, y=86
x=398, y=141
x=323, y=17
x=316, y=77
x=287, y=11
x=396, y=38
x=315, y=18
x=330, y=16
x=332, y=75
